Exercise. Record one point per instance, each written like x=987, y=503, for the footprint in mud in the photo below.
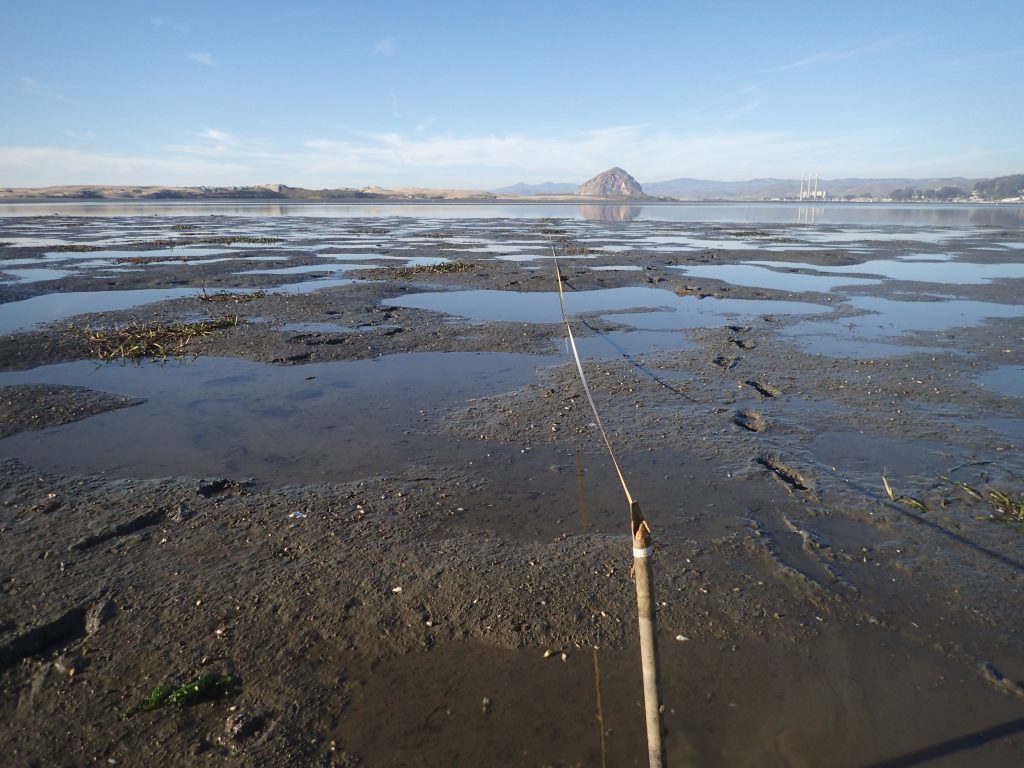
x=744, y=343
x=752, y=421
x=787, y=474
x=728, y=362
x=766, y=389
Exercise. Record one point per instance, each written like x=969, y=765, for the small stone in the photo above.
x=682, y=638
x=68, y=664
x=98, y=615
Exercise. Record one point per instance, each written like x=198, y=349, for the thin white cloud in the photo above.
x=34, y=87
x=76, y=134
x=222, y=137
x=746, y=108
x=52, y=166
x=200, y=57
x=165, y=23
x=849, y=51
x=983, y=58
x=215, y=156
x=386, y=46
x=215, y=143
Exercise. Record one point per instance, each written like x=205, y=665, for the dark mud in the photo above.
x=396, y=528
x=30, y=407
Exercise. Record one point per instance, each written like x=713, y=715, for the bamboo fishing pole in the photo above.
x=642, y=568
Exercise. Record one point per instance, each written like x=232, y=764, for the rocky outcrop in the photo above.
x=614, y=182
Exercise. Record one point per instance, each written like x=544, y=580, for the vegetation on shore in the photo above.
x=137, y=341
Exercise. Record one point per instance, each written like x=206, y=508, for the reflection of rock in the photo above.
x=610, y=212
x=614, y=182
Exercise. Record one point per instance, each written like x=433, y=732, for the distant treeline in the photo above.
x=998, y=188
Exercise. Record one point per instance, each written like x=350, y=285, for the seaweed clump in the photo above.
x=447, y=268
x=136, y=340
x=234, y=296
x=209, y=687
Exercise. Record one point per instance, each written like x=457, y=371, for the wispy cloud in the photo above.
x=984, y=58
x=165, y=23
x=34, y=87
x=47, y=166
x=215, y=143
x=849, y=51
x=418, y=158
x=206, y=59
x=386, y=46
x=76, y=134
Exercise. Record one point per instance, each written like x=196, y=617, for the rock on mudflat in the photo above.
x=614, y=182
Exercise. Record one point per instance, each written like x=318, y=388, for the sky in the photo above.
x=484, y=94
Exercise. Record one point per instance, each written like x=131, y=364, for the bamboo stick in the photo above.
x=643, y=574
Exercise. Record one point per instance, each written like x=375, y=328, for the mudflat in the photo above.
x=340, y=476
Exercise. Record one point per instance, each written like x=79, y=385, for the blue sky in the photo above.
x=475, y=94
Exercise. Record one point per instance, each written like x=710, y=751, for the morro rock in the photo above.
x=614, y=182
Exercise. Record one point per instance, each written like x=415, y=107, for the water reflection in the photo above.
x=610, y=212
x=910, y=214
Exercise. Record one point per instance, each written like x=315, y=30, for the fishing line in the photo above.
x=586, y=386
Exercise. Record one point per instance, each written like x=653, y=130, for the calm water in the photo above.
x=740, y=213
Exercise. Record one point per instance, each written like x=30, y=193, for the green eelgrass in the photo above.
x=208, y=687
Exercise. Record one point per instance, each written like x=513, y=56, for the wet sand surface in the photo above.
x=380, y=502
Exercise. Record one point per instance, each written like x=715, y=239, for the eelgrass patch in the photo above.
x=447, y=268
x=1007, y=506
x=74, y=248
x=216, y=240
x=910, y=501
x=209, y=687
x=238, y=240
x=448, y=245
x=579, y=250
x=231, y=296
x=151, y=259
x=136, y=341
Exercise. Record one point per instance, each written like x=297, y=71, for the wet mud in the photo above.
x=379, y=501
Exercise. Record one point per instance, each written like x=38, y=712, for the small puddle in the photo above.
x=942, y=272
x=306, y=269
x=1004, y=380
x=40, y=310
x=308, y=423
x=171, y=254
x=676, y=312
x=35, y=275
x=773, y=275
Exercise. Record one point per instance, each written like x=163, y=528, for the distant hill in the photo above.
x=1001, y=187
x=259, y=192
x=613, y=183
x=771, y=188
x=546, y=188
